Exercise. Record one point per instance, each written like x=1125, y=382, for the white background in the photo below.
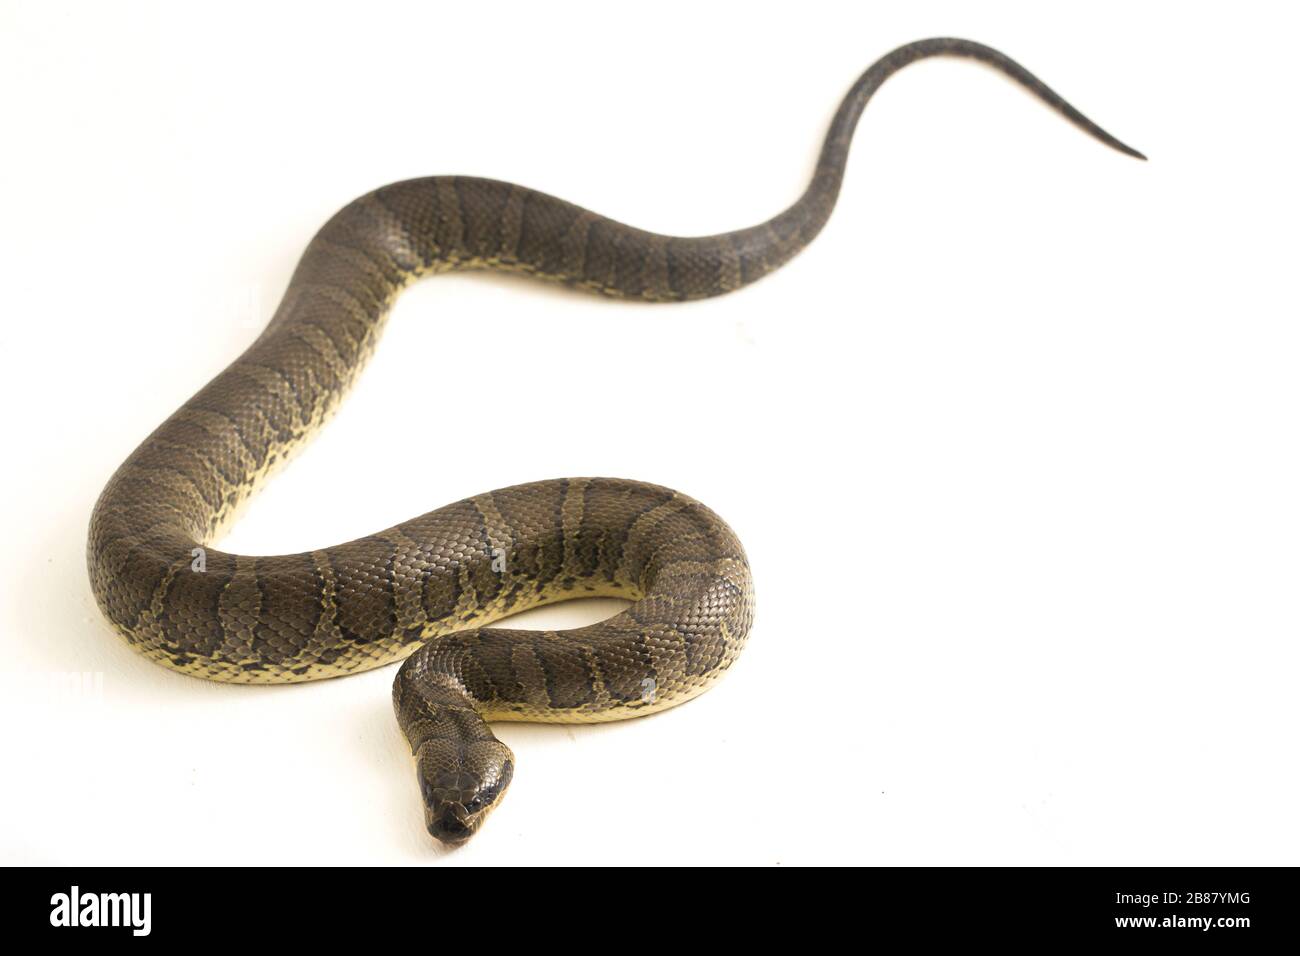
x=1012, y=446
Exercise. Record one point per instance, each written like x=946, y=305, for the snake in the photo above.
x=428, y=589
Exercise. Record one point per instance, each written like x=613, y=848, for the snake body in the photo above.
x=425, y=590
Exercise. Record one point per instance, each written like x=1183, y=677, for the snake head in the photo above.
x=457, y=801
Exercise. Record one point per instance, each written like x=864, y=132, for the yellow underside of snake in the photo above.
x=427, y=589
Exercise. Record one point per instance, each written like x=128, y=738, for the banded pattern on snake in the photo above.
x=426, y=589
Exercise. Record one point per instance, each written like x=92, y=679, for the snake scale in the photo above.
x=426, y=589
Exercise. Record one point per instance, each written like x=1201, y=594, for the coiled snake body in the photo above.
x=425, y=589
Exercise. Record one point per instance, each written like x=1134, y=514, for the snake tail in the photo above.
x=428, y=589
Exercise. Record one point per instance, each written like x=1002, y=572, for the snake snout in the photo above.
x=457, y=801
x=449, y=822
x=453, y=805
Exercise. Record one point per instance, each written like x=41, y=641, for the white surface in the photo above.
x=1012, y=447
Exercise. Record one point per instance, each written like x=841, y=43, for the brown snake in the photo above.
x=425, y=589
